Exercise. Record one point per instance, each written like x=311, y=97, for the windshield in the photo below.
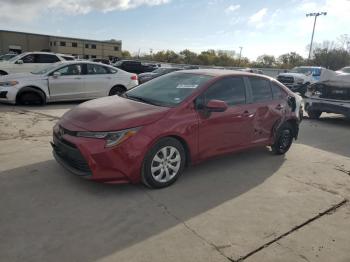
x=160, y=70
x=13, y=59
x=6, y=57
x=168, y=90
x=44, y=70
x=307, y=71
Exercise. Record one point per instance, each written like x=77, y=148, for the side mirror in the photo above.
x=56, y=74
x=20, y=62
x=216, y=106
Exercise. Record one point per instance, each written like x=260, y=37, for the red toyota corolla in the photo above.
x=153, y=131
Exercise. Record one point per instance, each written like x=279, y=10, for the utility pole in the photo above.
x=240, y=55
x=313, y=30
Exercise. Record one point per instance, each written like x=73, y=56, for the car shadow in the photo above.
x=48, y=214
x=329, y=133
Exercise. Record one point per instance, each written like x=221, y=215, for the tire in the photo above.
x=30, y=98
x=284, y=139
x=164, y=163
x=2, y=73
x=117, y=90
x=314, y=114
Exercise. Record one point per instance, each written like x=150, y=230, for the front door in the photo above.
x=68, y=84
x=221, y=132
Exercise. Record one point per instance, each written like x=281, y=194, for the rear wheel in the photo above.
x=30, y=98
x=314, y=114
x=2, y=73
x=164, y=163
x=284, y=140
x=117, y=90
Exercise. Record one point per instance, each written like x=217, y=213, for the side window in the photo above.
x=70, y=70
x=96, y=69
x=28, y=59
x=261, y=90
x=231, y=90
x=277, y=91
x=42, y=58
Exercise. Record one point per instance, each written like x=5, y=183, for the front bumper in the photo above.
x=88, y=158
x=328, y=106
x=8, y=94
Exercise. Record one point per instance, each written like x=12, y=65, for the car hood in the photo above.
x=293, y=74
x=112, y=114
x=20, y=76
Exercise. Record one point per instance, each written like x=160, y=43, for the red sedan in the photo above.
x=152, y=132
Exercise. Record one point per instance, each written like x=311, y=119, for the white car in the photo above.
x=65, y=81
x=30, y=61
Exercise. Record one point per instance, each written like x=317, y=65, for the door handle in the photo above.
x=279, y=107
x=247, y=114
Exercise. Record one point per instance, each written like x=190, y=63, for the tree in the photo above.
x=126, y=54
x=290, y=60
x=266, y=61
x=333, y=59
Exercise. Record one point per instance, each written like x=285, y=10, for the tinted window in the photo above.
x=96, y=69
x=70, y=70
x=277, y=91
x=231, y=90
x=28, y=59
x=261, y=90
x=41, y=58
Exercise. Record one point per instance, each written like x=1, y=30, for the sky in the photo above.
x=270, y=27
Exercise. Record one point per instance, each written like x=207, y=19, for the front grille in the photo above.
x=286, y=79
x=331, y=92
x=70, y=154
x=3, y=94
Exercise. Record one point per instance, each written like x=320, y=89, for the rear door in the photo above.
x=267, y=111
x=221, y=132
x=69, y=85
x=98, y=80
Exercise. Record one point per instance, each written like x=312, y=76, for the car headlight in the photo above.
x=9, y=83
x=111, y=138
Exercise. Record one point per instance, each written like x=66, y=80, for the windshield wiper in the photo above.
x=144, y=100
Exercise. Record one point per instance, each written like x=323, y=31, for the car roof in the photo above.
x=222, y=72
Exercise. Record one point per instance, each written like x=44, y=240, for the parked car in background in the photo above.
x=344, y=70
x=101, y=60
x=252, y=70
x=132, y=66
x=144, y=77
x=156, y=129
x=65, y=81
x=330, y=96
x=31, y=61
x=299, y=78
x=7, y=57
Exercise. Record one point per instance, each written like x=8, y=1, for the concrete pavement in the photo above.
x=223, y=210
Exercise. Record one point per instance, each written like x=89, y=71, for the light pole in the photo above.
x=240, y=55
x=313, y=30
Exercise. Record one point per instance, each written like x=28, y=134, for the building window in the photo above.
x=93, y=56
x=93, y=46
x=116, y=48
x=50, y=43
x=62, y=43
x=74, y=44
x=54, y=43
x=86, y=56
x=86, y=45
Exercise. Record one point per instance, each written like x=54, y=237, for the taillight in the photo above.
x=134, y=77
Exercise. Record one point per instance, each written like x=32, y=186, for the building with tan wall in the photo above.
x=20, y=42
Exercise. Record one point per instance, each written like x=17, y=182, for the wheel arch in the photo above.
x=35, y=89
x=116, y=86
x=294, y=123
x=3, y=72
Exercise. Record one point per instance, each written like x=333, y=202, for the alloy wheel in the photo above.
x=165, y=164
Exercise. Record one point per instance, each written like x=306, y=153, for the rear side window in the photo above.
x=261, y=90
x=277, y=91
x=96, y=69
x=68, y=58
x=231, y=90
x=42, y=58
x=28, y=59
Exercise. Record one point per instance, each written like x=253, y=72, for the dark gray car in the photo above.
x=144, y=77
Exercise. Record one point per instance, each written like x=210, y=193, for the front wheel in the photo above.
x=314, y=114
x=117, y=90
x=164, y=163
x=284, y=140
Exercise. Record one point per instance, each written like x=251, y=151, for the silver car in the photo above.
x=65, y=81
